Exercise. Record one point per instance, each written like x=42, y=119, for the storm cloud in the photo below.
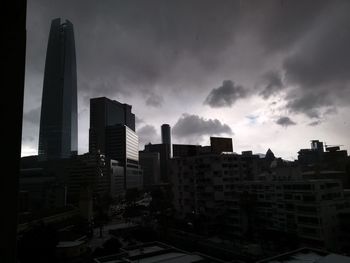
x=272, y=84
x=123, y=46
x=194, y=127
x=154, y=100
x=320, y=66
x=147, y=134
x=225, y=95
x=295, y=52
x=315, y=123
x=285, y=121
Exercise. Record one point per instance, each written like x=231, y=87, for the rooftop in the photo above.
x=307, y=255
x=155, y=252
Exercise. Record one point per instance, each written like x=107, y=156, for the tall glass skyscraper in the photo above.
x=58, y=136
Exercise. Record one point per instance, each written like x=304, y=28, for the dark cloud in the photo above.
x=325, y=57
x=154, y=100
x=280, y=24
x=285, y=121
x=225, y=95
x=147, y=134
x=123, y=46
x=193, y=126
x=315, y=123
x=309, y=103
x=319, y=67
x=138, y=121
x=272, y=84
x=134, y=47
x=32, y=116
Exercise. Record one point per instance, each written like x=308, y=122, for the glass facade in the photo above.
x=58, y=137
x=103, y=113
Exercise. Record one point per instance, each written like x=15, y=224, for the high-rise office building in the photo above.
x=122, y=145
x=112, y=132
x=58, y=136
x=105, y=112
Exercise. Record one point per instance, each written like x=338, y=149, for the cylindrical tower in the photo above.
x=166, y=137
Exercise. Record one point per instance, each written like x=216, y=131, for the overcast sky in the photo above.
x=269, y=74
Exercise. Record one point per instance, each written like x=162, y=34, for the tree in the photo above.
x=131, y=196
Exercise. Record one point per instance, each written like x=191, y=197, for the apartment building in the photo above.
x=225, y=187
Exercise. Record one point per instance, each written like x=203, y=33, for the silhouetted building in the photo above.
x=41, y=191
x=185, y=150
x=150, y=163
x=166, y=136
x=344, y=230
x=103, y=113
x=117, y=179
x=200, y=182
x=163, y=150
x=122, y=145
x=222, y=189
x=205, y=150
x=312, y=156
x=332, y=163
x=112, y=132
x=90, y=170
x=252, y=162
x=58, y=137
x=219, y=145
x=269, y=156
x=30, y=162
x=42, y=184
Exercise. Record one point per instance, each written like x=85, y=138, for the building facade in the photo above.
x=223, y=188
x=122, y=146
x=112, y=132
x=164, y=153
x=166, y=136
x=219, y=145
x=58, y=137
x=150, y=163
x=103, y=113
x=88, y=170
x=185, y=150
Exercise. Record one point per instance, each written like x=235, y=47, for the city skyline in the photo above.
x=225, y=70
